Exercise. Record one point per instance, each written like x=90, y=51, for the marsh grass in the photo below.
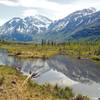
x=10, y=88
x=82, y=50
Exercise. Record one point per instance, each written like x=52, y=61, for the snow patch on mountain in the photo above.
x=29, y=25
x=73, y=20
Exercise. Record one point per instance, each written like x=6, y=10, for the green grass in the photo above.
x=77, y=50
x=29, y=50
x=96, y=58
x=11, y=88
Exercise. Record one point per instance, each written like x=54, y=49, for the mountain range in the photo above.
x=82, y=25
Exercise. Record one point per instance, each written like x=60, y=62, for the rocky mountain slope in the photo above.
x=18, y=29
x=80, y=25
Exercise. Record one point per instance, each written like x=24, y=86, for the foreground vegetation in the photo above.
x=11, y=88
x=29, y=50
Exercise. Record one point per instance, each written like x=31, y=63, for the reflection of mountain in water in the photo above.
x=52, y=71
x=78, y=70
x=36, y=65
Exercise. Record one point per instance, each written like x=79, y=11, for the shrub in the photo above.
x=97, y=58
x=80, y=97
x=1, y=79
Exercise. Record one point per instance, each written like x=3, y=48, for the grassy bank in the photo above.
x=11, y=88
x=78, y=50
x=29, y=50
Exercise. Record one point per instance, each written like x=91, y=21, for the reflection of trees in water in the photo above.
x=79, y=70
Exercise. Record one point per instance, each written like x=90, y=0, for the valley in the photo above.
x=82, y=50
x=75, y=65
x=81, y=25
x=44, y=59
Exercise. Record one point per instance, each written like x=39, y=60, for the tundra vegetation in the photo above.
x=11, y=81
x=88, y=50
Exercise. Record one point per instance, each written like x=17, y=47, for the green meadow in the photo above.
x=80, y=50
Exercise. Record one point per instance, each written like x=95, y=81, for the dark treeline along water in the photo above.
x=83, y=70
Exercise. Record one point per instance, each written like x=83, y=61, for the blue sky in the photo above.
x=54, y=9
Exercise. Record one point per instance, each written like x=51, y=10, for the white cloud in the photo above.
x=66, y=9
x=2, y=21
x=8, y=3
x=29, y=12
x=58, y=10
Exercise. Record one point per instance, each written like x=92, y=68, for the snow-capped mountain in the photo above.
x=63, y=29
x=29, y=25
x=19, y=29
x=80, y=24
x=73, y=20
x=38, y=23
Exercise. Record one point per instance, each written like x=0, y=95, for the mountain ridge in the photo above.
x=38, y=28
x=71, y=26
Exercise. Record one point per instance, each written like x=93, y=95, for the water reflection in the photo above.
x=24, y=65
x=61, y=70
x=77, y=70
